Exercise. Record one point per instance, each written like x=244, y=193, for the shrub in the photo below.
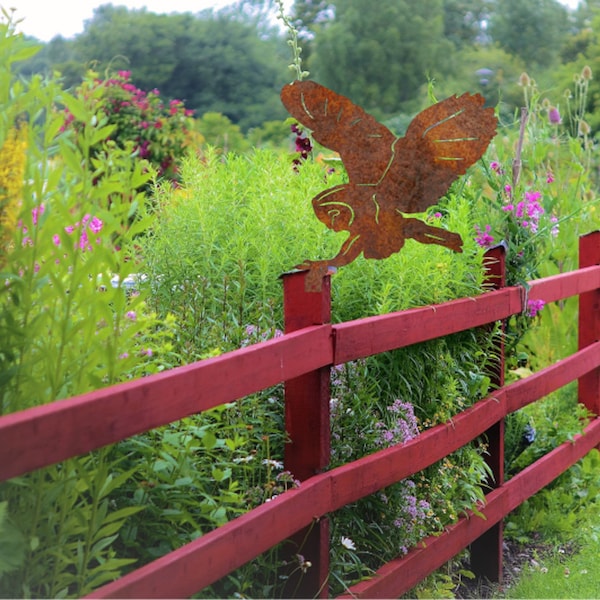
x=68, y=325
x=139, y=121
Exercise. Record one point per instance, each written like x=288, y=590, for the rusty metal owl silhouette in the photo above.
x=389, y=177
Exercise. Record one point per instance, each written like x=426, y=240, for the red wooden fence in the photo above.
x=302, y=358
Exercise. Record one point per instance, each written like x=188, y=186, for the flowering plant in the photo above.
x=532, y=183
x=159, y=132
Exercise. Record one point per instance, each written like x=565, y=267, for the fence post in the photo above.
x=486, y=551
x=589, y=321
x=307, y=426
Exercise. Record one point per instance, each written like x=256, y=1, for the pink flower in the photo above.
x=495, y=166
x=534, y=307
x=83, y=241
x=56, y=239
x=95, y=225
x=483, y=238
x=36, y=212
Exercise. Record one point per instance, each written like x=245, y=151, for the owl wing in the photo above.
x=364, y=144
x=440, y=144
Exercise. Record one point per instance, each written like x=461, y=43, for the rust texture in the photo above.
x=388, y=176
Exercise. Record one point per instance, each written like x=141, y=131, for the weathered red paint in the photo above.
x=589, y=321
x=47, y=434
x=399, y=576
x=486, y=551
x=307, y=427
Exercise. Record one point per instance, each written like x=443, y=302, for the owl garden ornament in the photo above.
x=389, y=176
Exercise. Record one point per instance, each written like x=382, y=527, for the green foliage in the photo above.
x=538, y=205
x=66, y=330
x=556, y=512
x=379, y=58
x=216, y=62
x=222, y=240
x=69, y=523
x=531, y=29
x=219, y=132
x=134, y=120
x=566, y=516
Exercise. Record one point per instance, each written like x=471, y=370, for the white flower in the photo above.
x=275, y=464
x=348, y=543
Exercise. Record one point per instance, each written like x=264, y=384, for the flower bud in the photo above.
x=524, y=80
x=554, y=116
x=584, y=128
x=586, y=73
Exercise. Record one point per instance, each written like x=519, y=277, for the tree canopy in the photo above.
x=382, y=55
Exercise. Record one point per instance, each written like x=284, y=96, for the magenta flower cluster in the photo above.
x=36, y=213
x=534, y=307
x=159, y=131
x=527, y=212
x=89, y=226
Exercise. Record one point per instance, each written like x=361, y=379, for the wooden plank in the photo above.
x=372, y=335
x=564, y=285
x=486, y=551
x=178, y=575
x=205, y=560
x=381, y=333
x=308, y=429
x=401, y=575
x=589, y=322
x=295, y=509
x=521, y=393
x=47, y=434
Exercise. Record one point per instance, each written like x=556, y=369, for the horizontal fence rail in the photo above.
x=401, y=575
x=301, y=358
x=47, y=434
x=327, y=492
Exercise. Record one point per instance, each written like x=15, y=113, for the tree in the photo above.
x=464, y=21
x=382, y=57
x=533, y=30
x=215, y=62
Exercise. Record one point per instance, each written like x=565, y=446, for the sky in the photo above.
x=45, y=19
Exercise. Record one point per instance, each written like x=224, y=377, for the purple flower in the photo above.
x=534, y=307
x=554, y=116
x=483, y=238
x=95, y=224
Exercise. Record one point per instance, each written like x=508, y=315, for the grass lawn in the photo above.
x=560, y=574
